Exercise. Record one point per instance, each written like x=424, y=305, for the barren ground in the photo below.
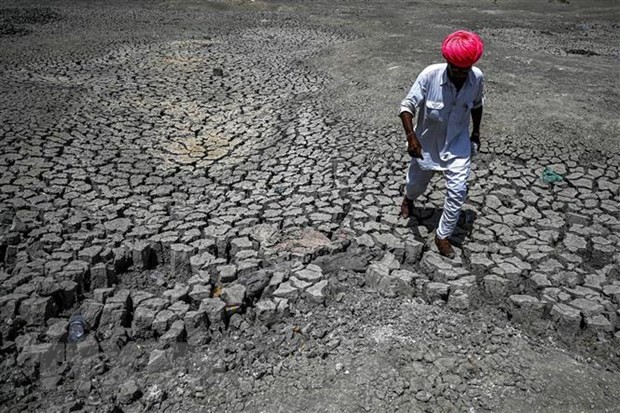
x=214, y=186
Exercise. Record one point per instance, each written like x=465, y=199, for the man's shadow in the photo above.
x=429, y=219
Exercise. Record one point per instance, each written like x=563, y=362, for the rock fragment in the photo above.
x=158, y=362
x=129, y=392
x=316, y=293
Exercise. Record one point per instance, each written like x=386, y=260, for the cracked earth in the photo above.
x=215, y=188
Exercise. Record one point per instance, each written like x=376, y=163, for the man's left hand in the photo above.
x=475, y=138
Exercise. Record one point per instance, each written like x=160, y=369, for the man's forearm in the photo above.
x=407, y=120
x=413, y=145
x=476, y=118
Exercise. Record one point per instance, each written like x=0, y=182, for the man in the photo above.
x=444, y=95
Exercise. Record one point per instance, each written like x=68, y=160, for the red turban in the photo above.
x=462, y=49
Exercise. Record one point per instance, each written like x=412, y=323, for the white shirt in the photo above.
x=443, y=120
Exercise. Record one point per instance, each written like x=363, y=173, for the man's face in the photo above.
x=458, y=73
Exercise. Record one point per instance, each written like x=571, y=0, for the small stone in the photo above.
x=316, y=293
x=255, y=283
x=365, y=240
x=158, y=362
x=36, y=310
x=9, y=304
x=612, y=291
x=163, y=320
x=239, y=244
x=575, y=243
x=196, y=323
x=202, y=278
x=458, y=301
x=375, y=274
x=91, y=311
x=57, y=332
x=390, y=261
x=200, y=292
x=276, y=279
x=227, y=273
x=413, y=251
x=179, y=292
x=202, y=262
x=179, y=308
x=234, y=294
x=42, y=355
x=566, y=316
x=526, y=307
x=180, y=261
x=436, y=291
x=480, y=263
x=573, y=218
x=88, y=347
x=154, y=395
x=601, y=255
x=90, y=254
x=102, y=294
x=599, y=323
x=595, y=282
x=214, y=309
x=423, y=396
x=496, y=287
x=309, y=275
x=266, y=311
x=402, y=282
x=431, y=262
x=299, y=284
x=286, y=290
x=142, y=255
x=69, y=293
x=46, y=287
x=587, y=307
x=114, y=314
x=195, y=320
x=540, y=281
x=581, y=292
x=129, y=392
x=248, y=267
x=120, y=225
x=100, y=276
x=142, y=320
x=175, y=334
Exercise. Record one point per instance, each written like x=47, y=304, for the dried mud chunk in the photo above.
x=317, y=292
x=37, y=310
x=526, y=308
x=566, y=317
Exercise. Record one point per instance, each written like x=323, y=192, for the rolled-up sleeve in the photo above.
x=479, y=98
x=415, y=96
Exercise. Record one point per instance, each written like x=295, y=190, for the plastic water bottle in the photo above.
x=77, y=329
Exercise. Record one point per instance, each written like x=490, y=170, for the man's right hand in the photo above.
x=413, y=146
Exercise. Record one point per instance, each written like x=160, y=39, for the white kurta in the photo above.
x=443, y=131
x=443, y=119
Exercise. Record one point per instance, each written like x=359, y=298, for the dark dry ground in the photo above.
x=137, y=136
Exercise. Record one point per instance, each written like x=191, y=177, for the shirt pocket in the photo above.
x=434, y=111
x=467, y=110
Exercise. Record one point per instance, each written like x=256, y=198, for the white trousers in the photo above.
x=456, y=192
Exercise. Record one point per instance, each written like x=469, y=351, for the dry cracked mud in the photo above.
x=214, y=187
